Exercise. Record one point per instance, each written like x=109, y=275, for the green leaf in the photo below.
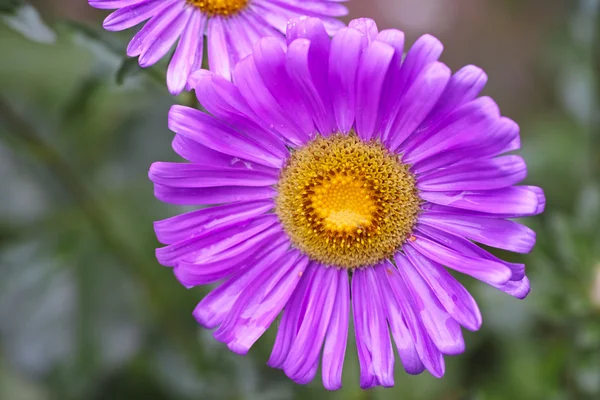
x=26, y=20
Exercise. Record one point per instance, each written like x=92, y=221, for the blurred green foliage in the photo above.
x=87, y=313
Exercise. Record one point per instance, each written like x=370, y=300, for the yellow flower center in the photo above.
x=223, y=8
x=345, y=202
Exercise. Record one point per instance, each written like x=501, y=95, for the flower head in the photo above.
x=231, y=28
x=344, y=174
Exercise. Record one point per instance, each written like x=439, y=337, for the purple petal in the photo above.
x=279, y=12
x=337, y=335
x=472, y=120
x=503, y=135
x=185, y=226
x=131, y=14
x=163, y=41
x=307, y=63
x=214, y=241
x=270, y=61
x=463, y=87
x=519, y=289
x=319, y=102
x=366, y=26
x=424, y=52
x=218, y=50
x=203, y=156
x=189, y=175
x=394, y=38
x=371, y=74
x=262, y=102
x=293, y=314
x=213, y=309
x=214, y=134
x=441, y=327
x=305, y=28
x=260, y=303
x=148, y=34
x=517, y=201
x=479, y=268
x=375, y=351
x=500, y=233
x=211, y=269
x=304, y=352
x=113, y=4
x=470, y=249
x=188, y=55
x=416, y=103
x=457, y=301
x=495, y=173
x=431, y=357
x=209, y=196
x=346, y=50
x=223, y=100
x=402, y=336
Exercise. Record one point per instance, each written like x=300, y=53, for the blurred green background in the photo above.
x=87, y=313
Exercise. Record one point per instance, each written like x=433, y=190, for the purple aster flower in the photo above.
x=348, y=180
x=231, y=27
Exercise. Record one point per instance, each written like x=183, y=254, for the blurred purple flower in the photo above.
x=231, y=28
x=345, y=173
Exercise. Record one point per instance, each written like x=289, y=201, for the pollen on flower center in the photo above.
x=223, y=8
x=345, y=202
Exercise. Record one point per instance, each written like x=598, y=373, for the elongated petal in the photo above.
x=457, y=129
x=213, y=195
x=416, y=103
x=366, y=26
x=187, y=225
x=218, y=49
x=194, y=176
x=213, y=309
x=306, y=348
x=150, y=31
x=270, y=61
x=456, y=300
x=470, y=249
x=495, y=173
x=486, y=270
x=346, y=49
x=188, y=54
x=424, y=52
x=113, y=4
x=262, y=102
x=131, y=13
x=260, y=303
x=431, y=357
x=500, y=233
x=307, y=63
x=337, y=335
x=203, y=156
x=223, y=100
x=443, y=330
x=193, y=271
x=375, y=351
x=395, y=318
x=214, y=134
x=293, y=315
x=464, y=86
x=371, y=74
x=517, y=201
x=213, y=242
